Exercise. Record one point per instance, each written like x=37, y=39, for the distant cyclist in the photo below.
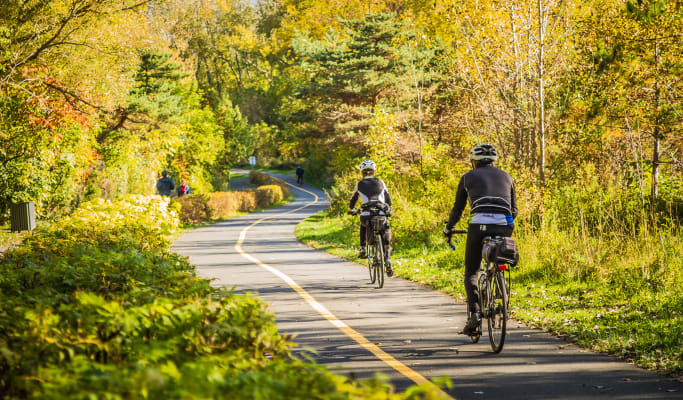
x=493, y=208
x=368, y=189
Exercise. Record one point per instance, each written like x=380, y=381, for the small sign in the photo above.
x=252, y=160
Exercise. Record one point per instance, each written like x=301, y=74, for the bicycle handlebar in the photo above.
x=450, y=237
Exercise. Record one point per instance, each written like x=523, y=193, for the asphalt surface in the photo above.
x=416, y=325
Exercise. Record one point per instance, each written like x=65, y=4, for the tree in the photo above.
x=157, y=94
x=637, y=56
x=349, y=77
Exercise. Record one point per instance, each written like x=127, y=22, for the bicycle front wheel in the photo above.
x=379, y=261
x=498, y=311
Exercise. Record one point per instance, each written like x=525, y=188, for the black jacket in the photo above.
x=164, y=186
x=368, y=189
x=489, y=190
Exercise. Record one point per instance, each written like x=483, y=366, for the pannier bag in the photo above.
x=379, y=223
x=489, y=251
x=507, y=251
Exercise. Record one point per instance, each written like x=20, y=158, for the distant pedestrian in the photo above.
x=299, y=175
x=184, y=188
x=165, y=184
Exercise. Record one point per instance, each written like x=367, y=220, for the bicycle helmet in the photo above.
x=368, y=164
x=483, y=152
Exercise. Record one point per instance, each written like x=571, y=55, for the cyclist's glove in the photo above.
x=447, y=231
x=388, y=211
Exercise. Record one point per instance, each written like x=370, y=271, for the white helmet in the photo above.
x=483, y=152
x=368, y=164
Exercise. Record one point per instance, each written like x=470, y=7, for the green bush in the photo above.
x=261, y=179
x=267, y=195
x=96, y=307
x=194, y=208
x=197, y=208
x=247, y=200
x=224, y=204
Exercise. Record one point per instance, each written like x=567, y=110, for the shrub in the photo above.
x=247, y=200
x=94, y=307
x=223, y=204
x=194, y=208
x=197, y=208
x=268, y=195
x=260, y=179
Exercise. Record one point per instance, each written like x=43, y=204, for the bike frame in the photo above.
x=491, y=275
x=374, y=246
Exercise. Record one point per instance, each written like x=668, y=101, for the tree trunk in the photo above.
x=657, y=134
x=541, y=113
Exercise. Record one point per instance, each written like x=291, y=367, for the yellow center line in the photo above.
x=322, y=310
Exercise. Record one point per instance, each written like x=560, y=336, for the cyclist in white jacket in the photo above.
x=370, y=189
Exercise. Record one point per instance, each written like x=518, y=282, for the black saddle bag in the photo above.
x=507, y=251
x=379, y=223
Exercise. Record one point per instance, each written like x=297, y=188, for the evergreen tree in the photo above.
x=358, y=70
x=157, y=95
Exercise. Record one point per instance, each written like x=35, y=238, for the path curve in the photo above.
x=415, y=325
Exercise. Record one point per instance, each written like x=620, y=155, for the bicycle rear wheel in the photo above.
x=379, y=261
x=369, y=250
x=498, y=311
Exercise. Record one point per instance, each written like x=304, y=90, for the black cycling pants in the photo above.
x=475, y=234
x=386, y=236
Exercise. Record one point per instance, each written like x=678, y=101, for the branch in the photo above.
x=70, y=95
x=47, y=44
x=134, y=6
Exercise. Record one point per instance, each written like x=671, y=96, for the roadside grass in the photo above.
x=9, y=238
x=236, y=175
x=277, y=171
x=590, y=291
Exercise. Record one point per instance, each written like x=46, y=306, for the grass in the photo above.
x=9, y=238
x=276, y=171
x=236, y=175
x=620, y=297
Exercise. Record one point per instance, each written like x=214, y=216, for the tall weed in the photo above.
x=597, y=233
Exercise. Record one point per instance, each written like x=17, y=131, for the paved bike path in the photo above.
x=416, y=325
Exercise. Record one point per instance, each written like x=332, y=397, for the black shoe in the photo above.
x=362, y=253
x=387, y=265
x=472, y=324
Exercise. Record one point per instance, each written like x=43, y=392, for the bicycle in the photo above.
x=374, y=248
x=494, y=290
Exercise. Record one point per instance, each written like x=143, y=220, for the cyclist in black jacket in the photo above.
x=493, y=208
x=368, y=189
